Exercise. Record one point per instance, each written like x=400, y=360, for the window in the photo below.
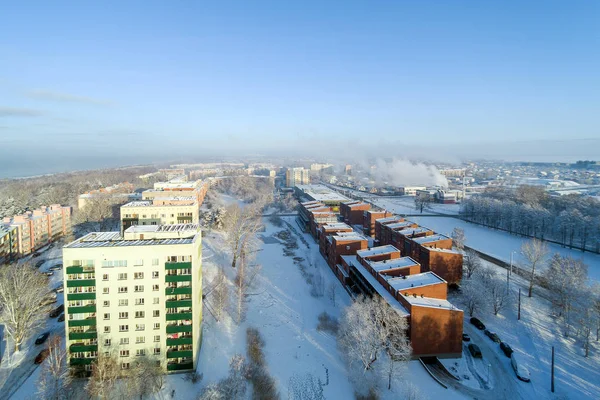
x=139, y=302
x=140, y=352
x=138, y=262
x=104, y=277
x=140, y=327
x=157, y=352
x=123, y=328
x=156, y=300
x=124, y=353
x=155, y=288
x=124, y=341
x=105, y=290
x=106, y=316
x=106, y=303
x=123, y=289
x=124, y=365
x=155, y=260
x=138, y=275
x=107, y=342
x=107, y=329
x=140, y=314
x=123, y=302
x=138, y=288
x=157, y=325
x=140, y=339
x=156, y=313
x=157, y=338
x=122, y=276
x=155, y=274
x=123, y=315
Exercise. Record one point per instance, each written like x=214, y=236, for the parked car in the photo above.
x=478, y=324
x=492, y=335
x=59, y=289
x=49, y=299
x=39, y=263
x=48, y=273
x=61, y=317
x=36, y=254
x=475, y=350
x=56, y=312
x=42, y=338
x=520, y=370
x=466, y=338
x=55, y=267
x=42, y=356
x=506, y=349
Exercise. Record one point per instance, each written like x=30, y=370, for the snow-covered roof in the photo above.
x=429, y=239
x=412, y=231
x=336, y=225
x=115, y=239
x=402, y=224
x=374, y=251
x=429, y=302
x=413, y=281
x=388, y=219
x=401, y=262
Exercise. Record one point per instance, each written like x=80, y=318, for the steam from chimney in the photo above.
x=400, y=172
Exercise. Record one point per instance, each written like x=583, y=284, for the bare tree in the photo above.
x=244, y=281
x=234, y=386
x=458, y=237
x=145, y=378
x=471, y=264
x=332, y=292
x=535, y=252
x=54, y=380
x=497, y=293
x=241, y=227
x=219, y=293
x=422, y=203
x=305, y=387
x=105, y=373
x=473, y=296
x=22, y=294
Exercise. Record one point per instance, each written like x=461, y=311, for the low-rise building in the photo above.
x=352, y=211
x=343, y=244
x=322, y=194
x=369, y=218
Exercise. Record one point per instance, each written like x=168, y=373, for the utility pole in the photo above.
x=552, y=373
x=519, y=317
x=507, y=283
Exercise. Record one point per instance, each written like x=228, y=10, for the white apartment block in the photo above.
x=135, y=294
x=160, y=211
x=297, y=176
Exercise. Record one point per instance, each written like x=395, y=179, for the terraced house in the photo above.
x=135, y=294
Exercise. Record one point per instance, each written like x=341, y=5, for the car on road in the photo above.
x=59, y=289
x=477, y=323
x=56, y=312
x=48, y=273
x=520, y=370
x=466, y=338
x=506, y=349
x=492, y=335
x=475, y=350
x=61, y=318
x=42, y=356
x=55, y=267
x=42, y=338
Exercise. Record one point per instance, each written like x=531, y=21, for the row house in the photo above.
x=343, y=244
x=369, y=218
x=352, y=212
x=330, y=229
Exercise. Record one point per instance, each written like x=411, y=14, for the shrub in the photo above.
x=328, y=323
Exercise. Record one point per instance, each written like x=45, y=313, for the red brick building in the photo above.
x=369, y=218
x=343, y=244
x=330, y=229
x=380, y=232
x=352, y=212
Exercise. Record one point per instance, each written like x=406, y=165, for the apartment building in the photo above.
x=8, y=243
x=177, y=188
x=369, y=219
x=135, y=294
x=342, y=244
x=352, y=211
x=37, y=228
x=160, y=211
x=297, y=176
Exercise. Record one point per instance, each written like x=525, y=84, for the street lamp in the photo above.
x=511, y=260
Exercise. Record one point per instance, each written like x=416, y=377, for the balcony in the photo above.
x=178, y=265
x=81, y=361
x=89, y=334
x=180, y=366
x=180, y=315
x=82, y=322
x=81, y=283
x=79, y=269
x=90, y=308
x=81, y=296
x=179, y=341
x=179, y=353
x=178, y=303
x=178, y=290
x=179, y=328
x=81, y=347
x=178, y=278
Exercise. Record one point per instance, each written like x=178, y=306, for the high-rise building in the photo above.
x=160, y=211
x=135, y=294
x=297, y=176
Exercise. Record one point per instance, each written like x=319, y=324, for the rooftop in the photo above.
x=413, y=281
x=418, y=229
x=374, y=251
x=336, y=225
x=115, y=239
x=321, y=193
x=429, y=302
x=387, y=219
x=402, y=224
x=401, y=262
x=429, y=239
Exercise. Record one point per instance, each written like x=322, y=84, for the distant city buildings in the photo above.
x=178, y=188
x=297, y=176
x=115, y=195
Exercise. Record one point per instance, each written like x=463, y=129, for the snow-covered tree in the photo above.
x=54, y=379
x=458, y=238
x=535, y=253
x=473, y=295
x=106, y=370
x=471, y=264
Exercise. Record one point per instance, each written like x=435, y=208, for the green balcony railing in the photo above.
x=81, y=296
x=178, y=265
x=81, y=348
x=90, y=334
x=81, y=361
x=178, y=278
x=178, y=303
x=179, y=290
x=81, y=283
x=178, y=316
x=83, y=309
x=179, y=353
x=82, y=322
x=179, y=341
x=179, y=328
x=180, y=366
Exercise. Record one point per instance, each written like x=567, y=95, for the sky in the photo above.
x=83, y=84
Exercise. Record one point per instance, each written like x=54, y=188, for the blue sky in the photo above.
x=126, y=77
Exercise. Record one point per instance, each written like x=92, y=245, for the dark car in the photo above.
x=506, y=349
x=466, y=338
x=475, y=351
x=42, y=356
x=61, y=318
x=477, y=323
x=36, y=254
x=42, y=338
x=56, y=312
x=492, y=335
x=39, y=263
x=48, y=273
x=55, y=267
x=59, y=289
